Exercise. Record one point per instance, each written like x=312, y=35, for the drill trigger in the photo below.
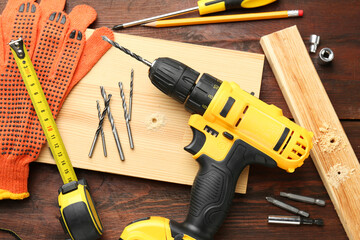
x=197, y=142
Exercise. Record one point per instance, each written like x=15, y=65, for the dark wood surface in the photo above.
x=122, y=199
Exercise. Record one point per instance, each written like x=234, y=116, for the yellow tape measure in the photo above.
x=43, y=111
x=79, y=217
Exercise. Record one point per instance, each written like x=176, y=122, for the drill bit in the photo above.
x=127, y=51
x=101, y=121
x=126, y=115
x=294, y=220
x=303, y=199
x=101, y=130
x=287, y=207
x=131, y=92
x=112, y=123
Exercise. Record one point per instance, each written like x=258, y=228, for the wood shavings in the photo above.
x=155, y=121
x=329, y=140
x=338, y=174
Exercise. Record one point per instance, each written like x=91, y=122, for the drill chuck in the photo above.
x=179, y=81
x=173, y=78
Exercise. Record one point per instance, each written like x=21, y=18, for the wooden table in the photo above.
x=121, y=199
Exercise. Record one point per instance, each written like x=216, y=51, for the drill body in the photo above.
x=231, y=129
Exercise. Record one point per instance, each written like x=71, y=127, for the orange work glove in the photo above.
x=61, y=57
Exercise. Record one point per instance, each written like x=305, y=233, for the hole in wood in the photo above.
x=332, y=140
x=339, y=172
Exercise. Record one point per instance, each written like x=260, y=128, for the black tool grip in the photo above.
x=213, y=190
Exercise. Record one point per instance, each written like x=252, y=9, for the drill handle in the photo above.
x=214, y=187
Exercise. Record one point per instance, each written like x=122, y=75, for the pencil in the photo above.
x=225, y=18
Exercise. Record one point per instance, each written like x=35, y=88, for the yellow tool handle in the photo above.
x=43, y=111
x=211, y=6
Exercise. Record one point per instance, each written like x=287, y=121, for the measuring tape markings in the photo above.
x=43, y=111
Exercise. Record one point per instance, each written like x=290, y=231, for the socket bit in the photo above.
x=294, y=220
x=287, y=207
x=326, y=55
x=314, y=41
x=303, y=199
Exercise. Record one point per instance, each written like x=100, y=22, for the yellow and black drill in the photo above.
x=231, y=129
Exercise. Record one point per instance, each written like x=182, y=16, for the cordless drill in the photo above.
x=231, y=129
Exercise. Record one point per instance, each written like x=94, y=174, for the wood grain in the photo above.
x=158, y=153
x=308, y=101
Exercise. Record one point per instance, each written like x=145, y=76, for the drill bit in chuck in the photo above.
x=126, y=115
x=287, y=207
x=127, y=51
x=99, y=129
x=112, y=123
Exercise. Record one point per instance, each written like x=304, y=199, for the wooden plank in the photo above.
x=332, y=154
x=159, y=124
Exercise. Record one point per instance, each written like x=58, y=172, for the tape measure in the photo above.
x=78, y=214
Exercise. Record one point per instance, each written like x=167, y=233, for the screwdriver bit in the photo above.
x=303, y=199
x=287, y=207
x=294, y=220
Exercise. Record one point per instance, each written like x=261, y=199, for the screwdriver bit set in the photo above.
x=302, y=218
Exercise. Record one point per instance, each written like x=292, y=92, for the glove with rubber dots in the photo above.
x=61, y=56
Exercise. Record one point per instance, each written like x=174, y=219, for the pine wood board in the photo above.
x=310, y=105
x=158, y=153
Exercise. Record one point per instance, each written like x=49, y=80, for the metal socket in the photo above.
x=326, y=55
x=314, y=41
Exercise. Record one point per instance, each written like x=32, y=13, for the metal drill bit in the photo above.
x=127, y=51
x=126, y=115
x=112, y=123
x=101, y=130
x=303, y=199
x=287, y=207
x=294, y=220
x=98, y=130
x=131, y=92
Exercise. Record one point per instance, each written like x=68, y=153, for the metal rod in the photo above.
x=294, y=220
x=101, y=121
x=113, y=127
x=101, y=130
x=287, y=207
x=127, y=51
x=151, y=19
x=126, y=115
x=131, y=92
x=303, y=199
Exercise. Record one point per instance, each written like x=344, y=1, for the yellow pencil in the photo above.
x=225, y=18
